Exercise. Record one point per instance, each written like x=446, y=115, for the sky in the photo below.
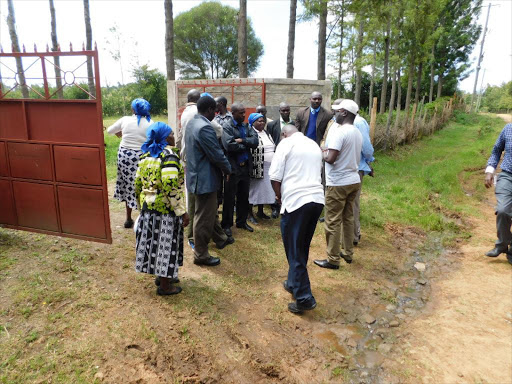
x=141, y=27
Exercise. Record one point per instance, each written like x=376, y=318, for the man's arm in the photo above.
x=252, y=140
x=330, y=155
x=229, y=142
x=276, y=186
x=298, y=120
x=210, y=146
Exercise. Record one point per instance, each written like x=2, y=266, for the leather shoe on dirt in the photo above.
x=297, y=308
x=495, y=252
x=348, y=259
x=252, y=220
x=326, y=264
x=228, y=241
x=209, y=262
x=228, y=232
x=245, y=226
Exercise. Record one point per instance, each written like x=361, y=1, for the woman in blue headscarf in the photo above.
x=260, y=190
x=132, y=130
x=159, y=188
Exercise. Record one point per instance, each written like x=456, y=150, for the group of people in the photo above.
x=299, y=168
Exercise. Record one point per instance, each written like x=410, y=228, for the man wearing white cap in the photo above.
x=341, y=153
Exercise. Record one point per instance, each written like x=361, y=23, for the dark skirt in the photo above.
x=127, y=163
x=159, y=249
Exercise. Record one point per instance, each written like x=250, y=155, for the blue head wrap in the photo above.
x=253, y=117
x=141, y=108
x=206, y=94
x=157, y=134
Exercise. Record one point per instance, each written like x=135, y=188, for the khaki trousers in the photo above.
x=339, y=217
x=206, y=225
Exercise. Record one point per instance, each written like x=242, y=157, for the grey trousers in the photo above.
x=206, y=225
x=357, y=223
x=503, y=209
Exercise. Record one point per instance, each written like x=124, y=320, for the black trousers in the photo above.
x=237, y=188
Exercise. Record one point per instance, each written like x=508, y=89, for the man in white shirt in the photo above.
x=341, y=153
x=296, y=180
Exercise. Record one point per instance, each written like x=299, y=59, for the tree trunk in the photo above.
x=398, y=99
x=169, y=40
x=372, y=81
x=322, y=40
x=88, y=45
x=440, y=82
x=340, y=52
x=55, y=48
x=384, y=92
x=431, y=91
x=291, y=39
x=409, y=86
x=242, y=40
x=11, y=22
x=418, y=83
x=390, y=112
x=359, y=71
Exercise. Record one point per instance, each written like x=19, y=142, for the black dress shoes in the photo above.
x=252, y=220
x=326, y=264
x=245, y=226
x=209, y=262
x=348, y=259
x=228, y=241
x=298, y=308
x=287, y=287
x=262, y=216
x=495, y=252
x=228, y=232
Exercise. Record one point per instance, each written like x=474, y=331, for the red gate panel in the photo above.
x=52, y=155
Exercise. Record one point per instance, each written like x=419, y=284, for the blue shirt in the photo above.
x=503, y=143
x=313, y=116
x=367, y=149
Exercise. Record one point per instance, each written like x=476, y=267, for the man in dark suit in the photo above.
x=237, y=138
x=312, y=120
x=274, y=127
x=205, y=162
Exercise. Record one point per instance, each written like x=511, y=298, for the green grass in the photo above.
x=112, y=143
x=419, y=184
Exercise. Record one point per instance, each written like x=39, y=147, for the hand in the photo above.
x=186, y=220
x=239, y=141
x=489, y=180
x=278, y=199
x=119, y=134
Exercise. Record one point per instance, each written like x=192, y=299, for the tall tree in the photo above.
x=212, y=50
x=322, y=39
x=11, y=22
x=291, y=39
x=55, y=48
x=383, y=94
x=169, y=40
x=242, y=39
x=88, y=46
x=359, y=58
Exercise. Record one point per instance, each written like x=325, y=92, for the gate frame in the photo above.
x=100, y=145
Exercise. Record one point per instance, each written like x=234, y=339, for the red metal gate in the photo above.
x=52, y=156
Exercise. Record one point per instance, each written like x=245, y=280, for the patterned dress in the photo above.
x=159, y=187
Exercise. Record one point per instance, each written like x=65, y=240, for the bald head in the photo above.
x=288, y=130
x=316, y=100
x=193, y=95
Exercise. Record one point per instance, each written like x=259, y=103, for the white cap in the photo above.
x=347, y=105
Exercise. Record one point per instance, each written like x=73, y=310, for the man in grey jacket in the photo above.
x=205, y=164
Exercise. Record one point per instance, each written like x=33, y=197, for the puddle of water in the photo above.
x=332, y=340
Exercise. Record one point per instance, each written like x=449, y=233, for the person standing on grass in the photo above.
x=237, y=140
x=296, y=180
x=341, y=153
x=132, y=130
x=205, y=164
x=503, y=192
x=160, y=192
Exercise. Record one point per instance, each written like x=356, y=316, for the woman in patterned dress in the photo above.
x=159, y=188
x=260, y=191
x=132, y=130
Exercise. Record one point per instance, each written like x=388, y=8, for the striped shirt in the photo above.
x=503, y=143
